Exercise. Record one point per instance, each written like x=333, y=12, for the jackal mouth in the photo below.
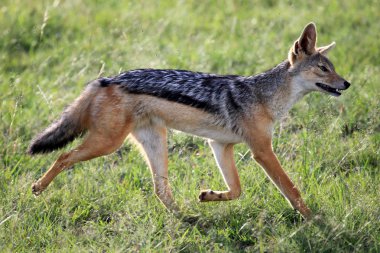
x=333, y=91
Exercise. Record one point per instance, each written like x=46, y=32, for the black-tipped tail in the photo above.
x=56, y=136
x=68, y=127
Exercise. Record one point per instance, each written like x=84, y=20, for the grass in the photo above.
x=330, y=147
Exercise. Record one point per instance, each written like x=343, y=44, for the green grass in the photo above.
x=329, y=147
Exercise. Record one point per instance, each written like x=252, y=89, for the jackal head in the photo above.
x=310, y=67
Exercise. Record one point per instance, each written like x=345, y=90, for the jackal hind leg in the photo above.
x=152, y=141
x=94, y=145
x=223, y=154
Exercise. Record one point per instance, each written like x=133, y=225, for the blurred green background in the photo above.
x=330, y=147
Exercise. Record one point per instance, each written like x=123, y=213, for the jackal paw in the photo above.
x=210, y=195
x=37, y=188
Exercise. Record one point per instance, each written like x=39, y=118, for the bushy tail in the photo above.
x=56, y=136
x=66, y=129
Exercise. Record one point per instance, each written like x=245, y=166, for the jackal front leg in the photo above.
x=223, y=154
x=261, y=147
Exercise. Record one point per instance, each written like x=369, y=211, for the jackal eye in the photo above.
x=323, y=68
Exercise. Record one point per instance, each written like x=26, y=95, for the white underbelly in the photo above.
x=217, y=134
x=184, y=118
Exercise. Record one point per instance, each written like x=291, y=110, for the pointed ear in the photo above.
x=305, y=43
x=324, y=50
x=307, y=40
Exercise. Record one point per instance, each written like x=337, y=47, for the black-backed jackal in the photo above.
x=226, y=110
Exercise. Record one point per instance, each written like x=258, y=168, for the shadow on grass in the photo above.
x=264, y=233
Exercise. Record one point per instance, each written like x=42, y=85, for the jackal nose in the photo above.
x=346, y=84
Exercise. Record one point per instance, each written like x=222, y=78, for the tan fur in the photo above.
x=259, y=139
x=104, y=137
x=223, y=154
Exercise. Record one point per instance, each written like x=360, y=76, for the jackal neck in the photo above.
x=275, y=89
x=268, y=82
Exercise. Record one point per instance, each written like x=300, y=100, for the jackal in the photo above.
x=225, y=109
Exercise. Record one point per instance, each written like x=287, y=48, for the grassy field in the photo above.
x=329, y=147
